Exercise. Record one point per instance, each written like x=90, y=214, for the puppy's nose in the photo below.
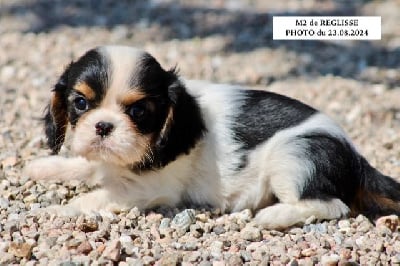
x=103, y=129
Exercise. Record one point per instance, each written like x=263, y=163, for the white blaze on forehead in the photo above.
x=123, y=62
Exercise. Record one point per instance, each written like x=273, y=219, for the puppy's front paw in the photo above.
x=56, y=210
x=44, y=168
x=34, y=169
x=60, y=168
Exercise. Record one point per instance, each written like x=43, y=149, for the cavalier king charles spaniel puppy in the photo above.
x=146, y=137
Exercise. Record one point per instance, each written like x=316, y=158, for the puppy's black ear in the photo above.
x=56, y=116
x=174, y=91
x=184, y=124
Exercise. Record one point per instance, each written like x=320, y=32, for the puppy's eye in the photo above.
x=80, y=103
x=137, y=111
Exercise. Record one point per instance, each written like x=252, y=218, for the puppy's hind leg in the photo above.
x=287, y=185
x=283, y=215
x=301, y=188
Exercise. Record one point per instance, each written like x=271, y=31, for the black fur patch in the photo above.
x=186, y=129
x=56, y=117
x=337, y=167
x=340, y=172
x=153, y=81
x=262, y=114
x=93, y=68
x=377, y=195
x=150, y=78
x=165, y=91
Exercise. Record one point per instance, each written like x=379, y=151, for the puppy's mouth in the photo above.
x=100, y=144
x=104, y=149
x=112, y=151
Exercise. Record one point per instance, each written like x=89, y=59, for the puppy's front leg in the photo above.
x=109, y=197
x=94, y=201
x=61, y=168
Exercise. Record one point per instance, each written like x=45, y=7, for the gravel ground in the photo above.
x=357, y=83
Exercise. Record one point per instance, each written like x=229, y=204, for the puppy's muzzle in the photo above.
x=104, y=129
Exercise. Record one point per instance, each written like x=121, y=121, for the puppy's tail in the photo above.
x=378, y=194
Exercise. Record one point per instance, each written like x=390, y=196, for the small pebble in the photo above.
x=22, y=250
x=392, y=222
x=113, y=250
x=88, y=226
x=251, y=233
x=84, y=248
x=170, y=259
x=183, y=220
x=4, y=203
x=330, y=260
x=216, y=249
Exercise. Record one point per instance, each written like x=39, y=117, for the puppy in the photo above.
x=148, y=138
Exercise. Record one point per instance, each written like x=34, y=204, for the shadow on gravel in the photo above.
x=247, y=31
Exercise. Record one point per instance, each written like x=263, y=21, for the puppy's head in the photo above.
x=124, y=108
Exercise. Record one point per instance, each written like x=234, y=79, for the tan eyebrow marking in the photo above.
x=86, y=90
x=131, y=98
